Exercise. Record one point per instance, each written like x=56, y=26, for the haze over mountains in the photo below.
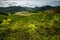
x=19, y=8
x=25, y=5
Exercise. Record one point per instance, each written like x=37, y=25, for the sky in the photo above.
x=29, y=3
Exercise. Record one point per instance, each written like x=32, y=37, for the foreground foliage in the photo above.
x=38, y=26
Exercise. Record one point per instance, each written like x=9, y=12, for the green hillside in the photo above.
x=30, y=26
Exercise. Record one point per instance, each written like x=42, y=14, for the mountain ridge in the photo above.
x=19, y=8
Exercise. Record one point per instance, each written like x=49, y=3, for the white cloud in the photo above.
x=28, y=3
x=21, y=3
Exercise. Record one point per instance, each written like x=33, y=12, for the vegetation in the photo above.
x=37, y=26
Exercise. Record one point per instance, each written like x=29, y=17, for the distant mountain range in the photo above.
x=19, y=8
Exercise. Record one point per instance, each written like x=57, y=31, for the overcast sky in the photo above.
x=29, y=3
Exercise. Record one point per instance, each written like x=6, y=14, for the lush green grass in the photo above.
x=38, y=26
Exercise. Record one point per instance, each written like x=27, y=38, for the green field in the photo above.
x=30, y=26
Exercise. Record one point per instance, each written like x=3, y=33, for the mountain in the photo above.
x=43, y=8
x=12, y=9
x=19, y=8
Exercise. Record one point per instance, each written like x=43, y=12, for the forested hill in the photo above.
x=19, y=8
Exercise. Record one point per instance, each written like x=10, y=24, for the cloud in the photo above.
x=28, y=3
x=21, y=3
